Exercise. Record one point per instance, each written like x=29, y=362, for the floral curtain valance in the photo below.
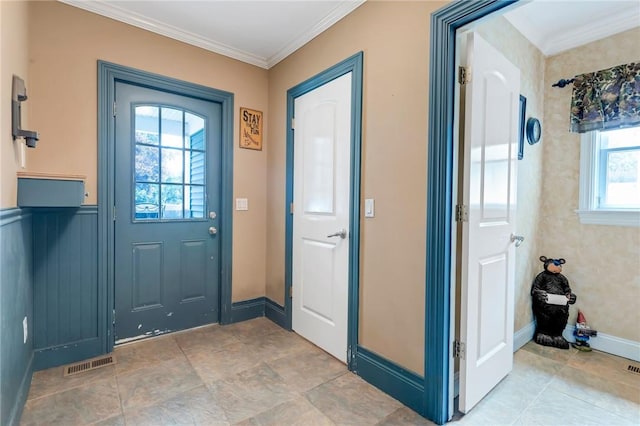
x=606, y=99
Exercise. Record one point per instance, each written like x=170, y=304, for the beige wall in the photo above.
x=65, y=44
x=13, y=60
x=603, y=262
x=395, y=39
x=504, y=37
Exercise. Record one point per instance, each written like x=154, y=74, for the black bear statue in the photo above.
x=551, y=296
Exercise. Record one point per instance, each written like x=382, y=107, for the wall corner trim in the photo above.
x=402, y=384
x=246, y=310
x=275, y=313
x=258, y=307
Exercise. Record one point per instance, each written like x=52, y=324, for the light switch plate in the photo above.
x=25, y=329
x=242, y=204
x=369, y=207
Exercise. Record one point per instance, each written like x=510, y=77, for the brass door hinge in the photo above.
x=464, y=76
x=462, y=213
x=458, y=349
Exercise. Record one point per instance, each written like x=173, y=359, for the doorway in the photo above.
x=440, y=175
x=167, y=199
x=194, y=197
x=485, y=216
x=321, y=215
x=332, y=324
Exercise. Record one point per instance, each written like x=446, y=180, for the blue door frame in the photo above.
x=352, y=64
x=108, y=74
x=440, y=174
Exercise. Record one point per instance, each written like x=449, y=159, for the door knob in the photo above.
x=213, y=230
x=518, y=239
x=341, y=233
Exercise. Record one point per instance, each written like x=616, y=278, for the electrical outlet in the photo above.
x=25, y=329
x=242, y=204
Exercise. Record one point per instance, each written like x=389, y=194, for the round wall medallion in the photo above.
x=534, y=130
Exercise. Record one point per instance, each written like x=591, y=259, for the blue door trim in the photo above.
x=352, y=64
x=444, y=24
x=108, y=74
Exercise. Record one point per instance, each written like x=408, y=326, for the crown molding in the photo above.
x=339, y=12
x=102, y=7
x=598, y=29
x=105, y=8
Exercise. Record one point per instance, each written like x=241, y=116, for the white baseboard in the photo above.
x=602, y=342
x=523, y=336
x=609, y=344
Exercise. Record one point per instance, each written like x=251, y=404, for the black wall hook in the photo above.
x=563, y=82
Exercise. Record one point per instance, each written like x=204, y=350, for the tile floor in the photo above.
x=255, y=373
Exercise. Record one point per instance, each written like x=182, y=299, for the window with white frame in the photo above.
x=610, y=177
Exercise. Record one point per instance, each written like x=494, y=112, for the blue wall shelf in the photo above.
x=46, y=190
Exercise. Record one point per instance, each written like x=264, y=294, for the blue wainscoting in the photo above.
x=16, y=303
x=69, y=314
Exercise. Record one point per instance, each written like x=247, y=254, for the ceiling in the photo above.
x=556, y=26
x=264, y=32
x=258, y=32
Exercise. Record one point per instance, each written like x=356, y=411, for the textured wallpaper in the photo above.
x=603, y=262
x=504, y=37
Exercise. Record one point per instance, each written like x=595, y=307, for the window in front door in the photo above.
x=169, y=164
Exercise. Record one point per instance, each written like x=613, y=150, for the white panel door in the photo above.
x=321, y=194
x=489, y=191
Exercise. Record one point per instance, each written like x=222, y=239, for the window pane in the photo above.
x=172, y=202
x=623, y=179
x=146, y=125
x=172, y=165
x=194, y=166
x=169, y=164
x=193, y=131
x=620, y=138
x=194, y=202
x=146, y=164
x=171, y=127
x=146, y=201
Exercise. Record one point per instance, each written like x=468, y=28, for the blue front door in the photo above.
x=167, y=199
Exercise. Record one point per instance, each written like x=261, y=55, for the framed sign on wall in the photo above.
x=250, y=129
